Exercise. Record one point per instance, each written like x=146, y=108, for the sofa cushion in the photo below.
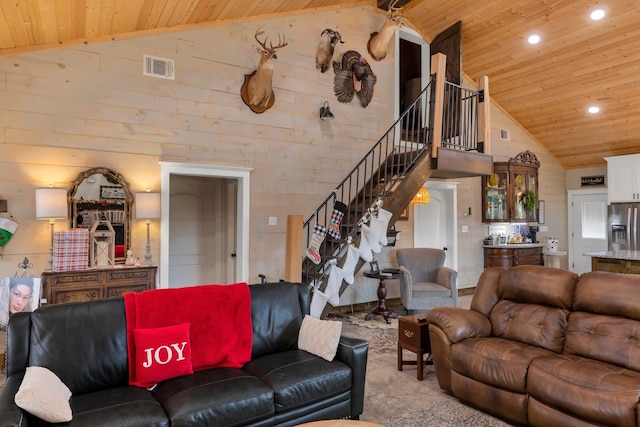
x=611, y=339
x=217, y=397
x=43, y=394
x=533, y=324
x=299, y=378
x=124, y=406
x=500, y=362
x=162, y=353
x=320, y=337
x=277, y=310
x=535, y=284
x=609, y=293
x=598, y=392
x=73, y=340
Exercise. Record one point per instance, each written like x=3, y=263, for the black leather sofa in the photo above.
x=85, y=345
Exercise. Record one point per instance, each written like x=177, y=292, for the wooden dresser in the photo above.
x=95, y=283
x=512, y=255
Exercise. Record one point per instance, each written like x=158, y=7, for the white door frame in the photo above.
x=570, y=207
x=452, y=225
x=411, y=35
x=244, y=190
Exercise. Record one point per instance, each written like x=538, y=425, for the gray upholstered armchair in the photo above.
x=425, y=282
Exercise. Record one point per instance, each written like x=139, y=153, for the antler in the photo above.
x=393, y=10
x=281, y=41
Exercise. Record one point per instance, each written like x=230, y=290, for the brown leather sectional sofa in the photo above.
x=544, y=347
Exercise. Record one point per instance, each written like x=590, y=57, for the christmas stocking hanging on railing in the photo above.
x=315, y=241
x=379, y=226
x=333, y=228
x=7, y=229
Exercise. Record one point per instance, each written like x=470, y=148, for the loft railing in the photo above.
x=460, y=118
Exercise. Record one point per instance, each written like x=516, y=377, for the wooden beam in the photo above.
x=438, y=67
x=484, y=115
x=293, y=251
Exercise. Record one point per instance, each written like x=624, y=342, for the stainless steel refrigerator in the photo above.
x=622, y=226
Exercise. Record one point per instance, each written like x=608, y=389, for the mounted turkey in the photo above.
x=353, y=76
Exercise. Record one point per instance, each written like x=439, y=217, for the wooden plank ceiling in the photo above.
x=546, y=88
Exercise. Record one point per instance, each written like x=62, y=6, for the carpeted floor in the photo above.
x=396, y=398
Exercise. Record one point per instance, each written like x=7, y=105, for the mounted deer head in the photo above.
x=259, y=93
x=326, y=48
x=379, y=41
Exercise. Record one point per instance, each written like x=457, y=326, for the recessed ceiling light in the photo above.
x=534, y=39
x=594, y=109
x=597, y=14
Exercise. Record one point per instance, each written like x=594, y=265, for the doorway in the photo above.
x=435, y=224
x=205, y=224
x=587, y=227
x=411, y=68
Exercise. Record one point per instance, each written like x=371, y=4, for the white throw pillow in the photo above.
x=43, y=394
x=320, y=337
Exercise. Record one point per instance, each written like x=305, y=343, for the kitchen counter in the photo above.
x=630, y=255
x=515, y=245
x=627, y=262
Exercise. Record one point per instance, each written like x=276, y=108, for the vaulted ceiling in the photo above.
x=547, y=87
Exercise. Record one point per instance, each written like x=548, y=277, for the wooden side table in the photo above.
x=381, y=309
x=413, y=335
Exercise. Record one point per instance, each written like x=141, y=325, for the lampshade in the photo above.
x=147, y=205
x=422, y=197
x=51, y=203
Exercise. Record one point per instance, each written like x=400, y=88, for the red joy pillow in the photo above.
x=161, y=353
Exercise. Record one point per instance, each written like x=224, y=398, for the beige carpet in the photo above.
x=396, y=398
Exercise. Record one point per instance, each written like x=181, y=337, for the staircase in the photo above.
x=436, y=136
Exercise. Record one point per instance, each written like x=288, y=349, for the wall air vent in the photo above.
x=159, y=67
x=505, y=135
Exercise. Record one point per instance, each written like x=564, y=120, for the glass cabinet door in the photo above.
x=495, y=197
x=533, y=186
x=519, y=189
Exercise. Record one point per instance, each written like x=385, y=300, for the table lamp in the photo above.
x=51, y=204
x=148, y=208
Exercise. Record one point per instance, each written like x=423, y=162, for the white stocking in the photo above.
x=383, y=223
x=350, y=262
x=333, y=285
x=364, y=248
x=318, y=301
x=372, y=234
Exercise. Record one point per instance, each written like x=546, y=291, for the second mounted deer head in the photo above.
x=257, y=91
x=379, y=41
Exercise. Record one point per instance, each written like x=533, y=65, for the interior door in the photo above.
x=435, y=224
x=587, y=228
x=202, y=234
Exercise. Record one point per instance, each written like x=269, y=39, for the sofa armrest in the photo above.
x=10, y=414
x=459, y=324
x=354, y=353
x=447, y=277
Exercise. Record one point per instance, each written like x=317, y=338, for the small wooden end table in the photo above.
x=413, y=335
x=381, y=309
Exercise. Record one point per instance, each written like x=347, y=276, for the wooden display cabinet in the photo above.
x=96, y=283
x=503, y=192
x=506, y=256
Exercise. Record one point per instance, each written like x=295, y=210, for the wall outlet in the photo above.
x=273, y=220
x=465, y=228
x=543, y=228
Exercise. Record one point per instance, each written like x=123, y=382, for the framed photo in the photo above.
x=18, y=294
x=404, y=215
x=112, y=192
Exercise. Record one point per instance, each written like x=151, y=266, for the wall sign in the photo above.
x=591, y=180
x=112, y=192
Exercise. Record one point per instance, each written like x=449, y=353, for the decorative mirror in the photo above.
x=102, y=194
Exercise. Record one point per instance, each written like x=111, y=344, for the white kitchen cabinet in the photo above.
x=623, y=178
